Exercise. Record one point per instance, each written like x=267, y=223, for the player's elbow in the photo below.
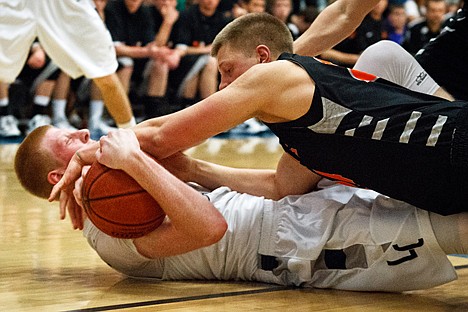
x=215, y=232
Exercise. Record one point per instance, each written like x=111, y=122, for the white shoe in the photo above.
x=250, y=126
x=63, y=123
x=9, y=126
x=100, y=128
x=38, y=121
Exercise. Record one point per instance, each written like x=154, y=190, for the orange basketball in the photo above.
x=117, y=205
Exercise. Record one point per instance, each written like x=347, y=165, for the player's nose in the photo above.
x=83, y=135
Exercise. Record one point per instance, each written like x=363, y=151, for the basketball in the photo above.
x=117, y=205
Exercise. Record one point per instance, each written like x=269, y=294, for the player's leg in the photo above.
x=444, y=58
x=83, y=46
x=390, y=61
x=17, y=32
x=451, y=232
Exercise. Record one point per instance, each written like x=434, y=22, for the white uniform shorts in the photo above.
x=70, y=31
x=353, y=239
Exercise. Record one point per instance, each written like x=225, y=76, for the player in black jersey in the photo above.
x=337, y=122
x=443, y=58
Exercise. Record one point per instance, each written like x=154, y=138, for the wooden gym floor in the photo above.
x=46, y=266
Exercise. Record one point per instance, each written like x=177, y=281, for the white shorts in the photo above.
x=388, y=60
x=353, y=239
x=71, y=32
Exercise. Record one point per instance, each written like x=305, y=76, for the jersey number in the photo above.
x=410, y=248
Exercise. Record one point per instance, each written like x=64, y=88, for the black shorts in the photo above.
x=445, y=57
x=28, y=75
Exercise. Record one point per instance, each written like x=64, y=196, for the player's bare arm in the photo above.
x=257, y=93
x=260, y=182
x=334, y=23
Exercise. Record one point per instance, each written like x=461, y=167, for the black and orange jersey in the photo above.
x=369, y=132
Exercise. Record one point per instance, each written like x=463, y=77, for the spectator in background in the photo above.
x=415, y=9
x=396, y=23
x=166, y=23
x=304, y=18
x=248, y=6
x=420, y=33
x=197, y=74
x=282, y=9
x=133, y=32
x=254, y=6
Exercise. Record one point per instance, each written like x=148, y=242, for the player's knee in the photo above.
x=384, y=51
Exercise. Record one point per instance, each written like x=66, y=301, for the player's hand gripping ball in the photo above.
x=117, y=205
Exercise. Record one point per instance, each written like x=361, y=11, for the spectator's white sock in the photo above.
x=58, y=109
x=4, y=102
x=96, y=109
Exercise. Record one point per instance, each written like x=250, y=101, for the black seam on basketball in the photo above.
x=84, y=189
x=114, y=196
x=125, y=224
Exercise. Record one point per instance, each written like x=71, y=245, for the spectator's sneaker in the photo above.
x=9, y=126
x=75, y=120
x=38, y=121
x=251, y=126
x=63, y=123
x=99, y=129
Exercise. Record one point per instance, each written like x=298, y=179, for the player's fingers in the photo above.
x=55, y=191
x=72, y=213
x=79, y=212
x=63, y=204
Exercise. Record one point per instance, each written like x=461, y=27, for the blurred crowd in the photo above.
x=163, y=51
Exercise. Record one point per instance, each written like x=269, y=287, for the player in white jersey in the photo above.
x=73, y=35
x=339, y=237
x=336, y=237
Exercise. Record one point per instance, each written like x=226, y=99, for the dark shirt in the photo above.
x=196, y=28
x=369, y=32
x=158, y=20
x=417, y=36
x=131, y=29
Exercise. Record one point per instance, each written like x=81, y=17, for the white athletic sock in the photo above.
x=4, y=102
x=41, y=100
x=58, y=109
x=128, y=124
x=96, y=109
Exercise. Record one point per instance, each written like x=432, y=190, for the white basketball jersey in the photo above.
x=339, y=237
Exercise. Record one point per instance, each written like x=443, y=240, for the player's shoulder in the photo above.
x=274, y=71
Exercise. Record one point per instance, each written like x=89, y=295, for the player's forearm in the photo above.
x=258, y=182
x=333, y=24
x=335, y=56
x=190, y=213
x=152, y=141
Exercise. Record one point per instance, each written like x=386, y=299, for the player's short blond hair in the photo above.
x=247, y=32
x=33, y=162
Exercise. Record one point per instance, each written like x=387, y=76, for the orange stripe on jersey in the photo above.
x=337, y=177
x=325, y=62
x=363, y=76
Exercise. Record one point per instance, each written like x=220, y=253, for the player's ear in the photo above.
x=263, y=53
x=54, y=176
